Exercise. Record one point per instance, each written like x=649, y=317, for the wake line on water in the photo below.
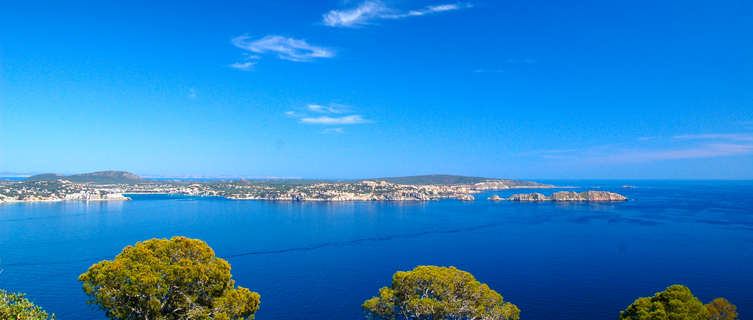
x=286, y=250
x=363, y=240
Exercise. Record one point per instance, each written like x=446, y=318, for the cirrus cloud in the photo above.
x=717, y=136
x=244, y=66
x=643, y=149
x=327, y=109
x=327, y=115
x=327, y=120
x=283, y=47
x=371, y=10
x=333, y=131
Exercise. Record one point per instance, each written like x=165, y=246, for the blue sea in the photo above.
x=322, y=260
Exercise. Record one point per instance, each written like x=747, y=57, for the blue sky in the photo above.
x=348, y=89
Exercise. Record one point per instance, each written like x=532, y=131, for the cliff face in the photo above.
x=507, y=184
x=568, y=196
x=495, y=198
x=528, y=197
x=602, y=196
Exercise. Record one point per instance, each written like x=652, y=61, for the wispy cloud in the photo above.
x=244, y=66
x=717, y=136
x=712, y=150
x=428, y=10
x=327, y=109
x=371, y=10
x=354, y=17
x=327, y=120
x=649, y=149
x=488, y=71
x=283, y=47
x=294, y=114
x=327, y=115
x=333, y=131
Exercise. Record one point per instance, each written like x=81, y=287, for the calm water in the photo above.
x=321, y=260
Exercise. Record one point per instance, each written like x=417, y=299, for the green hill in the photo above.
x=100, y=177
x=44, y=177
x=444, y=179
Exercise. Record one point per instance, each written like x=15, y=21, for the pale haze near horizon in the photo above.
x=528, y=90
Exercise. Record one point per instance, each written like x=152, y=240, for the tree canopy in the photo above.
x=165, y=279
x=674, y=303
x=431, y=292
x=17, y=306
x=721, y=309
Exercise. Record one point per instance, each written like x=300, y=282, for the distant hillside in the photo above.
x=445, y=179
x=101, y=177
x=122, y=177
x=106, y=177
x=274, y=182
x=44, y=177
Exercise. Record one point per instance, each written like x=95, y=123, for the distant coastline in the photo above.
x=564, y=196
x=114, y=185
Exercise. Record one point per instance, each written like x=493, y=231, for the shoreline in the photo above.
x=366, y=190
x=62, y=200
x=464, y=198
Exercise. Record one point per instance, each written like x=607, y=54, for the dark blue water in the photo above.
x=321, y=260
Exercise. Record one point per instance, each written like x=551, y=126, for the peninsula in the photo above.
x=116, y=185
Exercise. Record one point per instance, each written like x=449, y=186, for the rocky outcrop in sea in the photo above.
x=495, y=198
x=568, y=196
x=528, y=197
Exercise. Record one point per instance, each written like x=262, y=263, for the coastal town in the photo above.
x=116, y=186
x=58, y=190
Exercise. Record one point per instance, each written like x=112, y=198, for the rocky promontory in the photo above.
x=567, y=196
x=495, y=198
x=528, y=197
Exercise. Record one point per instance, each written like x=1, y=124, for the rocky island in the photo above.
x=115, y=185
x=564, y=196
x=495, y=198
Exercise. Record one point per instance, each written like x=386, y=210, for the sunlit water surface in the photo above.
x=322, y=260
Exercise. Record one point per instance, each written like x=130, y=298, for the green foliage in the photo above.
x=431, y=292
x=44, y=177
x=165, y=279
x=100, y=177
x=106, y=177
x=16, y=306
x=721, y=309
x=674, y=303
x=434, y=179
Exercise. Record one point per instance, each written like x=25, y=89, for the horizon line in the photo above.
x=16, y=175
